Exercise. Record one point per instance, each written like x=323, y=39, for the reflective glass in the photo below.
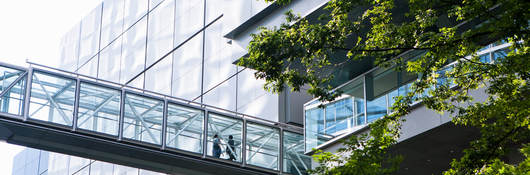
x=314, y=128
x=376, y=108
x=294, y=159
x=52, y=98
x=355, y=89
x=339, y=116
x=500, y=54
x=184, y=128
x=224, y=127
x=125, y=170
x=99, y=109
x=13, y=100
x=143, y=118
x=378, y=84
x=262, y=146
x=485, y=58
x=101, y=168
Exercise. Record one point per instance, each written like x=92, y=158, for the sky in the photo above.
x=32, y=30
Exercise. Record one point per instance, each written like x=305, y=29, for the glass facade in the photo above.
x=38, y=162
x=180, y=47
x=379, y=87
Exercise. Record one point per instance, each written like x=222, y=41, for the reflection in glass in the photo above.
x=142, y=118
x=294, y=159
x=99, y=109
x=13, y=99
x=184, y=128
x=500, y=54
x=224, y=127
x=339, y=116
x=52, y=98
x=262, y=146
x=314, y=128
x=355, y=89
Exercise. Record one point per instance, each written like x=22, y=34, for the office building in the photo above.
x=150, y=83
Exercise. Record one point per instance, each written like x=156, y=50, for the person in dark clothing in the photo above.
x=216, y=147
x=230, y=148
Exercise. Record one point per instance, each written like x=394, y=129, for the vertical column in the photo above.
x=387, y=103
x=164, y=124
x=28, y=92
x=76, y=104
x=365, y=101
x=205, y=134
x=122, y=114
x=244, y=144
x=280, y=156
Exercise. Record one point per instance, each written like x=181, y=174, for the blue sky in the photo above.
x=32, y=29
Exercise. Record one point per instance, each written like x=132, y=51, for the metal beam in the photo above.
x=259, y=148
x=63, y=89
x=61, y=112
x=99, y=107
x=142, y=122
x=13, y=84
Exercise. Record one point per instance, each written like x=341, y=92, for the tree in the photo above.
x=298, y=52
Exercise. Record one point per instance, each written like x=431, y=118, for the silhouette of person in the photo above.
x=216, y=147
x=230, y=148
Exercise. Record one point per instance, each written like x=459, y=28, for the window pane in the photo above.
x=99, y=109
x=52, y=98
x=314, y=129
x=262, y=146
x=13, y=100
x=294, y=159
x=184, y=128
x=224, y=127
x=356, y=90
x=143, y=119
x=339, y=116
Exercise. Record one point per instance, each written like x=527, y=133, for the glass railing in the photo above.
x=90, y=106
x=373, y=92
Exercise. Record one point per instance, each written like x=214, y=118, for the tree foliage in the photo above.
x=299, y=52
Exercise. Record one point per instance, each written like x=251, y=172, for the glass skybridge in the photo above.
x=53, y=98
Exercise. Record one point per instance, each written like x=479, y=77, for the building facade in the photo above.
x=180, y=48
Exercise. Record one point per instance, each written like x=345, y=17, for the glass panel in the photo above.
x=378, y=84
x=99, y=109
x=143, y=118
x=294, y=159
x=262, y=146
x=314, y=129
x=52, y=98
x=13, y=100
x=184, y=128
x=500, y=54
x=124, y=170
x=485, y=58
x=356, y=90
x=339, y=116
x=376, y=108
x=101, y=168
x=228, y=143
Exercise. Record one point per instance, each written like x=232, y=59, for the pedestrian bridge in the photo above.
x=55, y=110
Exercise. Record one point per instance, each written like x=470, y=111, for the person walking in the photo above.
x=216, y=151
x=230, y=148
